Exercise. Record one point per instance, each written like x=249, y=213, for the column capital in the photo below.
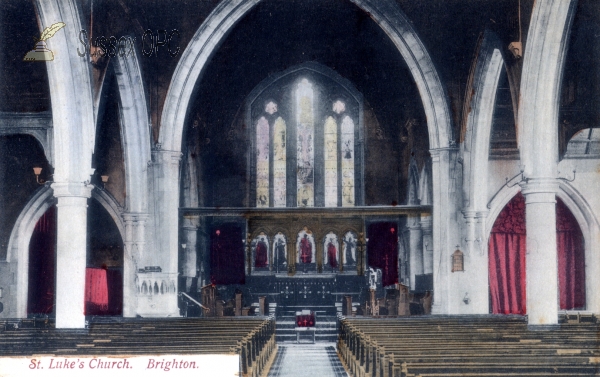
x=160, y=156
x=135, y=216
x=469, y=214
x=540, y=190
x=72, y=189
x=481, y=214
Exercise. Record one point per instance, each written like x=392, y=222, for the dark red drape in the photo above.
x=507, y=249
x=96, y=291
x=103, y=291
x=42, y=258
x=571, y=259
x=331, y=255
x=382, y=250
x=227, y=255
x=261, y=255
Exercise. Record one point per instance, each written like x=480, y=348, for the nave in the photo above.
x=433, y=346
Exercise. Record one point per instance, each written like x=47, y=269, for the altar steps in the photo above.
x=286, y=324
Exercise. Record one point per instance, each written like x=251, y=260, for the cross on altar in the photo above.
x=288, y=292
x=323, y=292
x=305, y=291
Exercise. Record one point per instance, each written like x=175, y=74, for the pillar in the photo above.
x=416, y=249
x=71, y=252
x=190, y=262
x=135, y=248
x=541, y=261
x=427, y=243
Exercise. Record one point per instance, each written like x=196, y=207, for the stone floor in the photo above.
x=307, y=360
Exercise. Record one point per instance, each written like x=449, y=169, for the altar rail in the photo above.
x=466, y=346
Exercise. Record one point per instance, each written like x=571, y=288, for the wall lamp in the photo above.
x=37, y=171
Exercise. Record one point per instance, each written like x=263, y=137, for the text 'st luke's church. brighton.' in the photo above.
x=285, y=149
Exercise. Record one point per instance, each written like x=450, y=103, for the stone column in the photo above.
x=416, y=248
x=135, y=248
x=547, y=41
x=427, y=243
x=541, y=260
x=71, y=252
x=165, y=176
x=190, y=263
x=474, y=282
x=446, y=233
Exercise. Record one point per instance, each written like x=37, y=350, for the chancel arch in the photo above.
x=388, y=16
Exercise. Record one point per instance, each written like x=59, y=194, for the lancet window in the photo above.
x=318, y=160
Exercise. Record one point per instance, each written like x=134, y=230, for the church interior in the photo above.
x=408, y=181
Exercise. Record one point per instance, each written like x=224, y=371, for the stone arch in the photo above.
x=545, y=53
x=588, y=223
x=496, y=206
x=135, y=122
x=18, y=244
x=590, y=227
x=476, y=145
x=38, y=125
x=386, y=13
x=111, y=205
x=70, y=81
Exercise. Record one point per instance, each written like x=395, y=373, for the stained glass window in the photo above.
x=318, y=160
x=347, y=155
x=262, y=162
x=305, y=156
x=279, y=162
x=331, y=162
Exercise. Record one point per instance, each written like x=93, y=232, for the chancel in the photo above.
x=402, y=181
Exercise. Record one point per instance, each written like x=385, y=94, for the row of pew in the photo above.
x=466, y=346
x=252, y=338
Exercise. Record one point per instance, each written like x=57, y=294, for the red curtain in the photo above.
x=382, y=250
x=507, y=250
x=96, y=291
x=571, y=259
x=507, y=259
x=42, y=258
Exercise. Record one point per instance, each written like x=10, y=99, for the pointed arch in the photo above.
x=112, y=207
x=547, y=41
x=18, y=244
x=135, y=123
x=70, y=80
x=476, y=145
x=386, y=13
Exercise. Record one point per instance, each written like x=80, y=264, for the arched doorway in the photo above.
x=507, y=259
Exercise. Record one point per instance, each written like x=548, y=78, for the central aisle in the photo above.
x=307, y=360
